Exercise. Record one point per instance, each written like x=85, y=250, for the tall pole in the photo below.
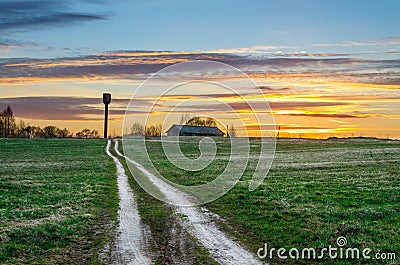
x=105, y=121
x=106, y=101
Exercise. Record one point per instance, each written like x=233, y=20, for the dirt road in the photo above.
x=223, y=248
x=131, y=244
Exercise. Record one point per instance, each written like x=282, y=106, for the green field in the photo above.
x=316, y=191
x=58, y=199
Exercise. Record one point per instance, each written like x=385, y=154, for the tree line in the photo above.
x=156, y=130
x=152, y=130
x=9, y=128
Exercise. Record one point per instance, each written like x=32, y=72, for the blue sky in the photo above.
x=205, y=25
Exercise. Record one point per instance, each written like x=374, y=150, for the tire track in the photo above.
x=132, y=239
x=221, y=246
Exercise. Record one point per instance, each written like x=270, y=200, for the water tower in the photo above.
x=106, y=101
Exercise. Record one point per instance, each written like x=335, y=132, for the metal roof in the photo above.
x=197, y=129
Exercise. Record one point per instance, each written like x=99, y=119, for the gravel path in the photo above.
x=222, y=247
x=130, y=245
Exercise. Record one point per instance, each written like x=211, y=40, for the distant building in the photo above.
x=187, y=130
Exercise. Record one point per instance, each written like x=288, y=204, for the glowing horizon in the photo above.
x=322, y=74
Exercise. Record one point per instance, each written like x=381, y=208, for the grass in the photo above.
x=316, y=191
x=58, y=200
x=171, y=243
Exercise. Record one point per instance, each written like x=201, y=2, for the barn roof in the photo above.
x=196, y=129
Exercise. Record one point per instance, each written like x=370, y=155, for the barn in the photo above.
x=188, y=130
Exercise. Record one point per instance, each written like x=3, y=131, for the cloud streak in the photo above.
x=61, y=108
x=82, y=108
x=30, y=14
x=26, y=15
x=379, y=42
x=250, y=50
x=140, y=64
x=325, y=115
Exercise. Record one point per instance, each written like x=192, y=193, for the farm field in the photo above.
x=58, y=200
x=315, y=192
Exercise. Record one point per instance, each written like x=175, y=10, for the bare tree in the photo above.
x=7, y=123
x=137, y=129
x=200, y=121
x=87, y=133
x=51, y=131
x=65, y=133
x=9, y=116
x=153, y=130
x=185, y=118
x=232, y=131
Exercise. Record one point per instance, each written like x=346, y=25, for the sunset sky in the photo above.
x=327, y=68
